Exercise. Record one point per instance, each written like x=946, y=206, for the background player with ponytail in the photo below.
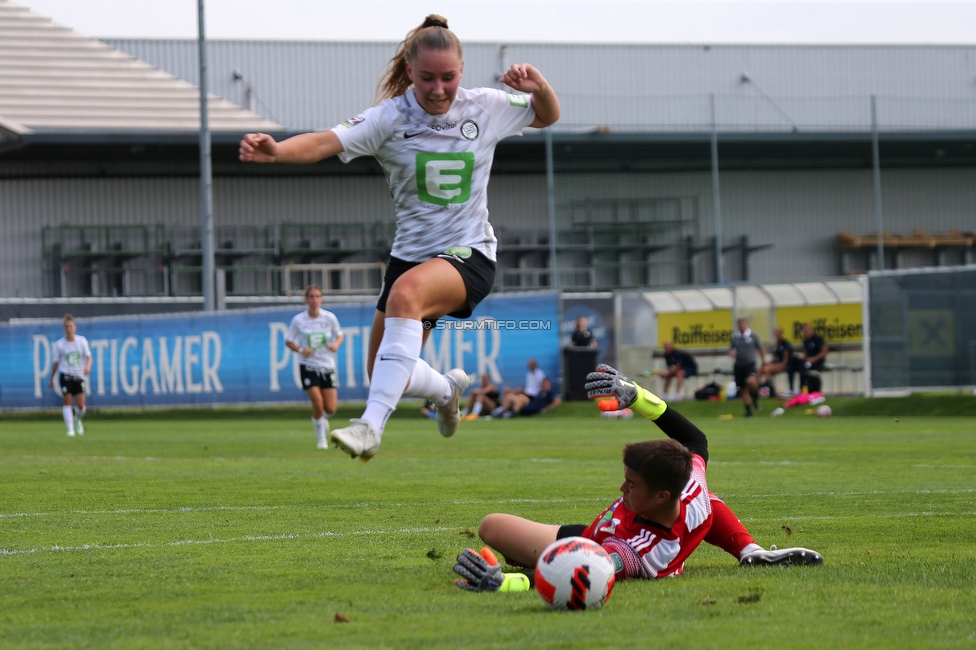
x=316, y=336
x=435, y=142
x=73, y=357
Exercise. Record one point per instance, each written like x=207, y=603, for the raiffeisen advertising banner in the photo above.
x=238, y=357
x=835, y=323
x=696, y=329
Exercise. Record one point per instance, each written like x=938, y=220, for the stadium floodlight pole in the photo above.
x=551, y=195
x=716, y=198
x=206, y=176
x=876, y=164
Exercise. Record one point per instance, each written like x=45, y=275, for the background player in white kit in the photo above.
x=315, y=335
x=435, y=142
x=73, y=357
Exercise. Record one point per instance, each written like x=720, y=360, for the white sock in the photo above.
x=69, y=417
x=321, y=428
x=476, y=409
x=394, y=364
x=80, y=412
x=428, y=383
x=751, y=548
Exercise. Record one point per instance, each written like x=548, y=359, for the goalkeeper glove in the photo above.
x=482, y=572
x=615, y=392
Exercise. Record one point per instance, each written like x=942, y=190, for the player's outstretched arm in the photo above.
x=524, y=77
x=300, y=149
x=615, y=391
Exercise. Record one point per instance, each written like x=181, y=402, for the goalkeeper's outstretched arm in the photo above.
x=615, y=391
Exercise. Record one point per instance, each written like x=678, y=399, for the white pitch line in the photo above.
x=831, y=493
x=892, y=515
x=233, y=540
x=786, y=463
x=381, y=504
x=350, y=506
x=140, y=511
x=407, y=531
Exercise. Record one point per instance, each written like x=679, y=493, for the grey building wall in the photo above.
x=660, y=92
x=28, y=205
x=798, y=212
x=627, y=87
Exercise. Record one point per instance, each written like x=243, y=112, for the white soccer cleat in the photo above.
x=323, y=443
x=79, y=427
x=71, y=434
x=359, y=439
x=786, y=556
x=449, y=415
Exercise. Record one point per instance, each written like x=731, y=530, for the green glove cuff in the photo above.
x=515, y=582
x=648, y=404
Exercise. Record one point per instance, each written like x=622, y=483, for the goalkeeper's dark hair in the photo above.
x=664, y=464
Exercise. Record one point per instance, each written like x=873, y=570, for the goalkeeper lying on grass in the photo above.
x=664, y=514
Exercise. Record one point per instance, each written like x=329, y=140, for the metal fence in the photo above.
x=922, y=328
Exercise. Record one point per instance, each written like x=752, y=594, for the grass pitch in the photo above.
x=228, y=529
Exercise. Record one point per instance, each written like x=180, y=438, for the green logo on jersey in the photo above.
x=522, y=101
x=444, y=178
x=458, y=251
x=73, y=358
x=316, y=340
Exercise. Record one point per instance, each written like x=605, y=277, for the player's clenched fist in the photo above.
x=258, y=147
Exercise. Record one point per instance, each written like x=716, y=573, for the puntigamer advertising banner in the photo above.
x=241, y=357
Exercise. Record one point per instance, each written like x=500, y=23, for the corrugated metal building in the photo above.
x=633, y=183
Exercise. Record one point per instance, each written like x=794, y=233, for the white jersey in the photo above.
x=437, y=165
x=533, y=382
x=71, y=357
x=315, y=334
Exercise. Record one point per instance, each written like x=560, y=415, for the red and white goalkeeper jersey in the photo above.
x=662, y=551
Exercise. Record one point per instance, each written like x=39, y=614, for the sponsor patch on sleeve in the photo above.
x=521, y=101
x=353, y=121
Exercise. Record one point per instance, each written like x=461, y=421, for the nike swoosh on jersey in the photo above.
x=407, y=136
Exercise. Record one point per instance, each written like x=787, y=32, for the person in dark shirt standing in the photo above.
x=747, y=349
x=680, y=366
x=814, y=355
x=582, y=336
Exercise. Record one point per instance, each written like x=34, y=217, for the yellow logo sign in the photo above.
x=696, y=329
x=835, y=323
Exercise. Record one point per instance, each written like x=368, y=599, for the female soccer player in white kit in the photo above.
x=73, y=357
x=315, y=335
x=435, y=142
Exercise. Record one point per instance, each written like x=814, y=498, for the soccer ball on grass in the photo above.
x=574, y=573
x=823, y=411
